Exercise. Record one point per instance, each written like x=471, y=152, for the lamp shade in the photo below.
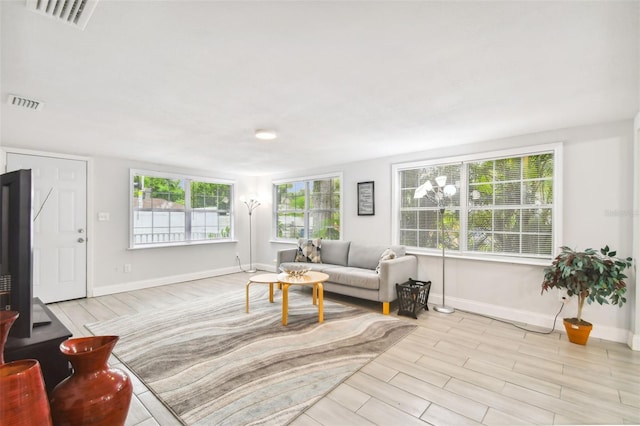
x=449, y=190
x=422, y=190
x=441, y=181
x=249, y=198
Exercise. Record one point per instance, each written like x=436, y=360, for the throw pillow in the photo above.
x=386, y=255
x=309, y=251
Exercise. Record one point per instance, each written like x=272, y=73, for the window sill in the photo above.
x=292, y=242
x=181, y=244
x=474, y=257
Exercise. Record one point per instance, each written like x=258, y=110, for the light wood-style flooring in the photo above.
x=456, y=369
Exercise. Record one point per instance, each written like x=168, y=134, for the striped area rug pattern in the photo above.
x=213, y=364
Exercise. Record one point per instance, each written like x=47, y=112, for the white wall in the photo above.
x=598, y=201
x=151, y=266
x=634, y=297
x=597, y=210
x=634, y=339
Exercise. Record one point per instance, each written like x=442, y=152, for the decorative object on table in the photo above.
x=23, y=400
x=591, y=276
x=366, y=199
x=247, y=368
x=295, y=270
x=413, y=296
x=95, y=394
x=437, y=195
x=252, y=203
x=7, y=318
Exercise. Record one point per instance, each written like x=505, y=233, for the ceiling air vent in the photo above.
x=19, y=101
x=73, y=12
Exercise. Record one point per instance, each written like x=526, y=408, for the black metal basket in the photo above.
x=412, y=296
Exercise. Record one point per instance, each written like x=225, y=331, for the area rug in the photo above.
x=211, y=363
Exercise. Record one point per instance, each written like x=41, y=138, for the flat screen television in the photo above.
x=16, y=282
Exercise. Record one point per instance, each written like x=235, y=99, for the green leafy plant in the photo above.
x=589, y=275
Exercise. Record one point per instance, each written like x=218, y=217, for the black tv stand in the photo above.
x=43, y=345
x=39, y=316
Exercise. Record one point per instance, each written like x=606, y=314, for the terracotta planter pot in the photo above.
x=577, y=333
x=7, y=318
x=95, y=394
x=24, y=399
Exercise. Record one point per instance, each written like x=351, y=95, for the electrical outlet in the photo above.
x=127, y=268
x=562, y=296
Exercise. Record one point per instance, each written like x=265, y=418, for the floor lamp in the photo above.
x=252, y=203
x=437, y=194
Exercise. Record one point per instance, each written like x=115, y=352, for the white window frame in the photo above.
x=275, y=183
x=555, y=148
x=188, y=210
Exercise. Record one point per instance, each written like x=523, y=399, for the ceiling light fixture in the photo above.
x=266, y=135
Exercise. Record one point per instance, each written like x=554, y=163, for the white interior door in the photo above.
x=59, y=227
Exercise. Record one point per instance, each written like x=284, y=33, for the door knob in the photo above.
x=81, y=240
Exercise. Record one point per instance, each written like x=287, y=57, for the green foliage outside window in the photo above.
x=210, y=195
x=506, y=206
x=174, y=210
x=159, y=188
x=308, y=209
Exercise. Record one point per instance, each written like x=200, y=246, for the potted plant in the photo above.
x=591, y=276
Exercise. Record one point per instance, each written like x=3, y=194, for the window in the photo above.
x=308, y=208
x=503, y=205
x=170, y=210
x=420, y=218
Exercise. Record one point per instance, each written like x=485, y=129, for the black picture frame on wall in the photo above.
x=366, y=199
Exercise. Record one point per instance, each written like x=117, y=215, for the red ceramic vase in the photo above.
x=95, y=394
x=23, y=400
x=7, y=318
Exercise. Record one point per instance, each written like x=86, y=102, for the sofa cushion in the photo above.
x=354, y=277
x=309, y=251
x=365, y=256
x=388, y=254
x=335, y=252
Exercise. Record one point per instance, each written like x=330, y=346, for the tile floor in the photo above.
x=455, y=369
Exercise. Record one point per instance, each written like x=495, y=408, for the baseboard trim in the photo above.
x=519, y=316
x=155, y=282
x=633, y=341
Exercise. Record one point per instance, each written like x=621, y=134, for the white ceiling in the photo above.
x=186, y=83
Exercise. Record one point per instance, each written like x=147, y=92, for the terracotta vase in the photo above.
x=95, y=394
x=24, y=398
x=7, y=318
x=577, y=333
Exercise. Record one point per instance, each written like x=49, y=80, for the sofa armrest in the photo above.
x=394, y=271
x=285, y=255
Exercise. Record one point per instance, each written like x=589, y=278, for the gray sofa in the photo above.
x=352, y=269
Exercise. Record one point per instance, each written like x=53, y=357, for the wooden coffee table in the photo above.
x=312, y=278
x=270, y=279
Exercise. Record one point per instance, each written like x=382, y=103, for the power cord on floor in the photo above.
x=240, y=264
x=516, y=325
